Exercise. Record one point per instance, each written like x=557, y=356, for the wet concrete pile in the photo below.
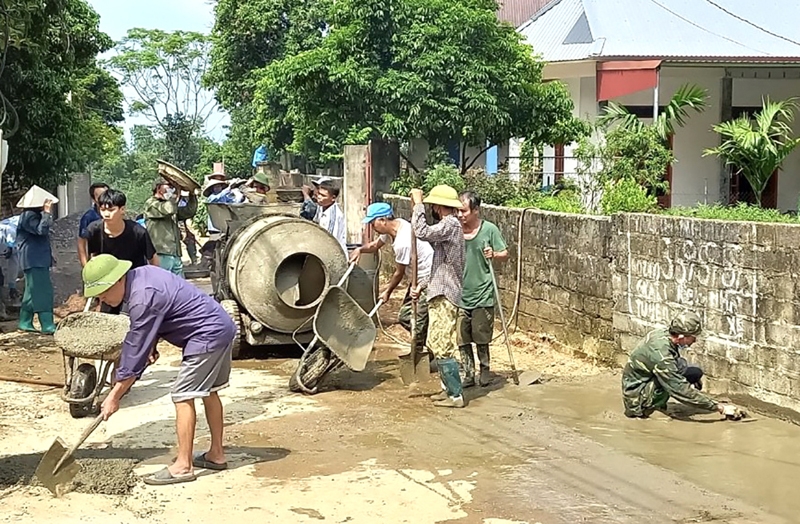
x=110, y=476
x=92, y=334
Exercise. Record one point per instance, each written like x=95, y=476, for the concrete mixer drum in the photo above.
x=273, y=272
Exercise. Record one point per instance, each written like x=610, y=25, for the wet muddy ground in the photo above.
x=367, y=449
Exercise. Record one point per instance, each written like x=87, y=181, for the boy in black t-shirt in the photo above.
x=114, y=235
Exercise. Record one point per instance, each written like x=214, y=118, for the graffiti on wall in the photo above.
x=703, y=275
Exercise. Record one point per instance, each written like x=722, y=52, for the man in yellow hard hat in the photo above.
x=445, y=284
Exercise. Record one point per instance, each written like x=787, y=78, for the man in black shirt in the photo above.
x=115, y=235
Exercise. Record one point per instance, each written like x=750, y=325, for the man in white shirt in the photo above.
x=329, y=215
x=398, y=232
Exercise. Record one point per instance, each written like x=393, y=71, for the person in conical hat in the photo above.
x=36, y=258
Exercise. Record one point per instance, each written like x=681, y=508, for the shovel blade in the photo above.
x=527, y=378
x=56, y=481
x=414, y=367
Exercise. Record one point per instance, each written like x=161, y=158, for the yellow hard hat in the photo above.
x=443, y=195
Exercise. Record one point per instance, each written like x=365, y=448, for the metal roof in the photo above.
x=566, y=30
x=517, y=12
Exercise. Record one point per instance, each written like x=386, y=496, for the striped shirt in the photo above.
x=447, y=239
x=332, y=220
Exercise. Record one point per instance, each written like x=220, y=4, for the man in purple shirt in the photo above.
x=163, y=305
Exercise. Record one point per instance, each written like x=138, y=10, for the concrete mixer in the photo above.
x=271, y=269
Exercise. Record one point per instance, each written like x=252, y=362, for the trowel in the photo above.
x=58, y=467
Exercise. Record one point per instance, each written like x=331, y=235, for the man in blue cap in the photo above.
x=398, y=232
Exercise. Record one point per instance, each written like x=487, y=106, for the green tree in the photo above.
x=756, y=148
x=432, y=69
x=59, y=107
x=249, y=35
x=165, y=70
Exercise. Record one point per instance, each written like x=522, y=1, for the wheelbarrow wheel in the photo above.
x=312, y=371
x=232, y=309
x=84, y=381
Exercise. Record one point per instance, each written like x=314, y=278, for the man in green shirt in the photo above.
x=163, y=213
x=484, y=243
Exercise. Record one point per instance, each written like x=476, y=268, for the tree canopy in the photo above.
x=432, y=69
x=59, y=106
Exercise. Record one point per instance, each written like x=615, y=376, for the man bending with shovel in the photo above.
x=163, y=305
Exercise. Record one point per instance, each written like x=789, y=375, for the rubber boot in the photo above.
x=4, y=316
x=468, y=363
x=14, y=298
x=452, y=381
x=483, y=356
x=48, y=322
x=26, y=320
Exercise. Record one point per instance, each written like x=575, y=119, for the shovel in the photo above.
x=58, y=467
x=526, y=377
x=414, y=366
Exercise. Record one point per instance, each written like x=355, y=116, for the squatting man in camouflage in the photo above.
x=444, y=288
x=398, y=232
x=656, y=371
x=484, y=245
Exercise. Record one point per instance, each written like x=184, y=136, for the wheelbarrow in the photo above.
x=344, y=335
x=93, y=336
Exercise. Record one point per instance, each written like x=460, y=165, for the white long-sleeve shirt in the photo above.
x=332, y=220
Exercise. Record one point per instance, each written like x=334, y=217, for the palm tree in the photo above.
x=677, y=111
x=756, y=148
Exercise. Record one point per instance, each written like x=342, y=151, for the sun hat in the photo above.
x=210, y=183
x=102, y=272
x=35, y=197
x=686, y=323
x=443, y=195
x=377, y=210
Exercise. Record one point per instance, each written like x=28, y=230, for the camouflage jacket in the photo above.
x=655, y=366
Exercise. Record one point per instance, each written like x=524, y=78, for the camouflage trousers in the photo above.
x=442, y=318
x=421, y=324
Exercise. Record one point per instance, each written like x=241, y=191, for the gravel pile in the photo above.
x=92, y=334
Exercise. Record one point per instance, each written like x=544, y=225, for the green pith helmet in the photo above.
x=102, y=272
x=686, y=323
x=261, y=178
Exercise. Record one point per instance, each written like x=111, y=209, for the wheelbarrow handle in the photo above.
x=375, y=309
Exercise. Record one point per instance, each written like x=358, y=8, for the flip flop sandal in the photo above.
x=164, y=477
x=201, y=462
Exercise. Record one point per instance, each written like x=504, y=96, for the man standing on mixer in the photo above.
x=162, y=305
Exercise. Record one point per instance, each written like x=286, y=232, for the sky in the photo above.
x=117, y=16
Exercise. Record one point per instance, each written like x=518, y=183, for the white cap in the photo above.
x=321, y=180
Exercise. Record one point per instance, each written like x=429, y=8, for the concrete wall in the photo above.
x=598, y=284
x=566, y=275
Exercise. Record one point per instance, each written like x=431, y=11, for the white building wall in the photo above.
x=695, y=179
x=749, y=92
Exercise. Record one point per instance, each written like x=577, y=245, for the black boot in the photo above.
x=468, y=363
x=483, y=356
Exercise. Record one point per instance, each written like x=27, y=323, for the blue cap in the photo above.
x=377, y=210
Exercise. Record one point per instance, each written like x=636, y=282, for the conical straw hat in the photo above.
x=35, y=197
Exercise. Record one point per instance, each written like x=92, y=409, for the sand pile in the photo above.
x=106, y=476
x=92, y=334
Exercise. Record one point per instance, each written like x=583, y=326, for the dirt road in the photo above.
x=366, y=450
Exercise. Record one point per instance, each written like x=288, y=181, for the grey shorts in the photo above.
x=201, y=375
